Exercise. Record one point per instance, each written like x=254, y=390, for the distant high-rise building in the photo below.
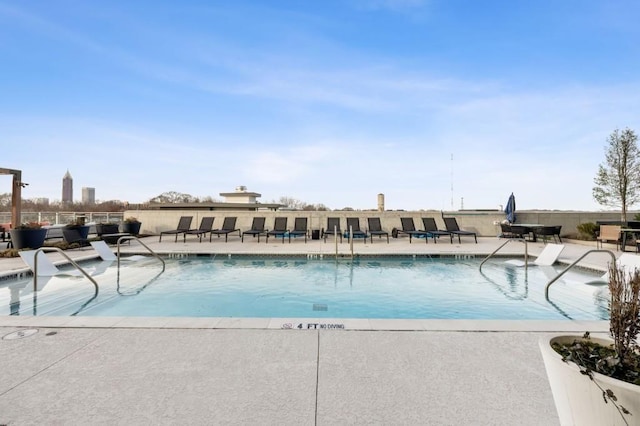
x=88, y=195
x=67, y=188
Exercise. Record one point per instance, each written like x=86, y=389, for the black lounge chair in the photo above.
x=257, y=228
x=376, y=229
x=548, y=231
x=184, y=224
x=452, y=226
x=410, y=229
x=353, y=224
x=228, y=226
x=505, y=231
x=431, y=227
x=333, y=226
x=518, y=231
x=206, y=226
x=299, y=228
x=279, y=228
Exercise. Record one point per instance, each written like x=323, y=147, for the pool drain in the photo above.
x=20, y=334
x=320, y=307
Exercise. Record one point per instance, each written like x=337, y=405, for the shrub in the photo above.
x=587, y=231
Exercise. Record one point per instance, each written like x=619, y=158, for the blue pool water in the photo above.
x=420, y=288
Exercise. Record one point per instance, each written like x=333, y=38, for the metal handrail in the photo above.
x=56, y=249
x=526, y=252
x=546, y=289
x=131, y=237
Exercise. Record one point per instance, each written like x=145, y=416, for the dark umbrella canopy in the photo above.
x=510, y=210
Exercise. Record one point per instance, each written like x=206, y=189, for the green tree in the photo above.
x=617, y=183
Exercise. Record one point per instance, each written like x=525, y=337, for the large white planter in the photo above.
x=578, y=400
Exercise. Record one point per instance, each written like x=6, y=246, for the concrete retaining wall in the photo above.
x=482, y=222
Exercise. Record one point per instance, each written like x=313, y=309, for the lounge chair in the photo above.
x=353, y=225
x=431, y=227
x=452, y=226
x=299, y=228
x=184, y=224
x=228, y=226
x=376, y=229
x=333, y=227
x=505, y=231
x=548, y=231
x=279, y=228
x=608, y=233
x=518, y=231
x=257, y=228
x=106, y=254
x=46, y=268
x=409, y=228
x=206, y=226
x=547, y=256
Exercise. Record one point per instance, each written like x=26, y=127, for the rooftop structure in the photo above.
x=240, y=195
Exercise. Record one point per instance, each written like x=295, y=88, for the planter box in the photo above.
x=578, y=400
x=28, y=238
x=110, y=228
x=132, y=228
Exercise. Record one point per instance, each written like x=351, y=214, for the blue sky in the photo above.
x=325, y=101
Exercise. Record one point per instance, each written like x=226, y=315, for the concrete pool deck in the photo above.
x=91, y=370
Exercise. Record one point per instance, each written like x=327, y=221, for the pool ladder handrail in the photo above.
x=526, y=252
x=73, y=262
x=133, y=237
x=546, y=288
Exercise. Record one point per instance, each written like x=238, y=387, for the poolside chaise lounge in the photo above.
x=279, y=228
x=228, y=226
x=184, y=224
x=257, y=228
x=547, y=256
x=299, y=228
x=46, y=267
x=353, y=224
x=333, y=227
x=375, y=228
x=106, y=254
x=409, y=228
x=548, y=231
x=206, y=226
x=430, y=226
x=452, y=226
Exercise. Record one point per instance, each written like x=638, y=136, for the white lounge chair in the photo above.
x=106, y=254
x=46, y=268
x=627, y=261
x=547, y=257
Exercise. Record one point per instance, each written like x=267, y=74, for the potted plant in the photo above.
x=596, y=381
x=131, y=225
x=28, y=235
x=79, y=225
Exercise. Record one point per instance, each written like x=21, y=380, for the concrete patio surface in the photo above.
x=91, y=370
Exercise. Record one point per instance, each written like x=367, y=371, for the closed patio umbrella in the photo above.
x=510, y=210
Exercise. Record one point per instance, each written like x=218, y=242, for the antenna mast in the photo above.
x=451, y=181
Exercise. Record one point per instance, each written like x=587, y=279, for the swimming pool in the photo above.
x=301, y=287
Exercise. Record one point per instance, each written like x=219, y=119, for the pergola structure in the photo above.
x=16, y=194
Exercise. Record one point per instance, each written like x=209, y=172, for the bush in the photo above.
x=587, y=231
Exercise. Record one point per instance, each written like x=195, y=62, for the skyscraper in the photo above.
x=67, y=188
x=88, y=195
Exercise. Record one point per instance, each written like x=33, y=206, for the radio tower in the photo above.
x=452, y=182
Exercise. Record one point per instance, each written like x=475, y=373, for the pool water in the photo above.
x=398, y=287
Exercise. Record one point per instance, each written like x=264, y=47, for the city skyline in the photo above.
x=436, y=104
